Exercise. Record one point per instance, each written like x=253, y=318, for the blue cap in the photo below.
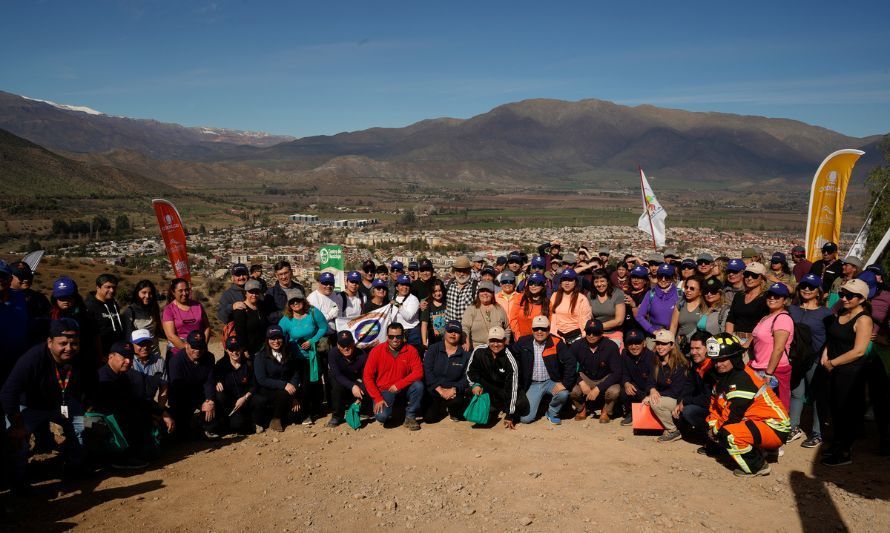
x=57, y=328
x=639, y=271
x=634, y=336
x=4, y=268
x=569, y=274
x=378, y=283
x=735, y=265
x=454, y=326
x=354, y=277
x=501, y=260
x=274, y=332
x=538, y=262
x=537, y=277
x=403, y=280
x=326, y=278
x=877, y=269
x=812, y=280
x=345, y=338
x=396, y=265
x=413, y=266
x=778, y=257
x=779, y=289
x=489, y=270
x=64, y=287
x=871, y=280
x=665, y=269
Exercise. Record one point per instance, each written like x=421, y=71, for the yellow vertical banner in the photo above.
x=827, y=200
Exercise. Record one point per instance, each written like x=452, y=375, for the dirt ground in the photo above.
x=581, y=476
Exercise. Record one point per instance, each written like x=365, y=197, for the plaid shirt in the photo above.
x=457, y=299
x=539, y=371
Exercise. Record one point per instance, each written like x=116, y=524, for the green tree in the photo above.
x=879, y=186
x=121, y=224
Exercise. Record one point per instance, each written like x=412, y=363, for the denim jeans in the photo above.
x=414, y=394
x=802, y=392
x=536, y=392
x=73, y=451
x=694, y=417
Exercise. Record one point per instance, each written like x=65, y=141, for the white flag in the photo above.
x=652, y=211
x=858, y=248
x=368, y=329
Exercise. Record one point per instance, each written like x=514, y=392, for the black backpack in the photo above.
x=800, y=353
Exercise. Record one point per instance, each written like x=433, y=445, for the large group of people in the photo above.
x=724, y=352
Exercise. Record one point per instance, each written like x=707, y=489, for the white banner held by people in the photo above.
x=368, y=329
x=653, y=217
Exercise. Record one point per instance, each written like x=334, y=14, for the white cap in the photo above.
x=497, y=332
x=540, y=321
x=664, y=335
x=141, y=335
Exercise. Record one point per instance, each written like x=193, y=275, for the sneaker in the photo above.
x=333, y=422
x=411, y=424
x=795, y=434
x=669, y=436
x=454, y=418
x=275, y=425
x=813, y=442
x=838, y=459
x=209, y=435
x=764, y=471
x=554, y=420
x=130, y=463
x=307, y=421
x=628, y=421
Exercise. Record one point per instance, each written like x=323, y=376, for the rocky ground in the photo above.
x=581, y=476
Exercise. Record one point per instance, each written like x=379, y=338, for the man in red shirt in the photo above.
x=394, y=370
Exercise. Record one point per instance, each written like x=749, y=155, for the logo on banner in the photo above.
x=367, y=331
x=323, y=254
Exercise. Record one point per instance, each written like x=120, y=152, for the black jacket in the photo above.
x=498, y=376
x=236, y=381
x=276, y=300
x=122, y=393
x=440, y=370
x=637, y=370
x=602, y=363
x=558, y=359
x=347, y=372
x=107, y=317
x=33, y=383
x=699, y=384
x=271, y=374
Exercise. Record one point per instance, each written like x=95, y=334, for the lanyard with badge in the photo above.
x=63, y=386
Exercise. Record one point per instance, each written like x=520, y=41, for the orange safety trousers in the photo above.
x=744, y=439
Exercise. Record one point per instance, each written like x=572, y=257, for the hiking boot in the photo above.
x=795, y=434
x=764, y=471
x=275, y=425
x=813, y=442
x=411, y=424
x=582, y=414
x=308, y=421
x=334, y=422
x=628, y=421
x=605, y=418
x=669, y=436
x=838, y=459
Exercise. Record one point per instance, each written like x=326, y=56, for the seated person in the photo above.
x=493, y=370
x=637, y=363
x=394, y=371
x=692, y=409
x=192, y=386
x=46, y=384
x=235, y=385
x=599, y=378
x=547, y=368
x=666, y=383
x=277, y=381
x=346, y=364
x=444, y=371
x=744, y=416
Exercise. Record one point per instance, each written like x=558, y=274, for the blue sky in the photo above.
x=310, y=68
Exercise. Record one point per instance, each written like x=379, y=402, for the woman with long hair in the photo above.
x=144, y=312
x=847, y=336
x=749, y=305
x=666, y=383
x=278, y=381
x=607, y=306
x=304, y=325
x=432, y=319
x=181, y=316
x=780, y=272
x=687, y=312
x=532, y=303
x=569, y=310
x=639, y=286
x=807, y=308
x=771, y=341
x=251, y=321
x=713, y=310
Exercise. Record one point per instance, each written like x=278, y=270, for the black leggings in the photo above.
x=846, y=383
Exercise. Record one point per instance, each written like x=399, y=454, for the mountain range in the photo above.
x=540, y=141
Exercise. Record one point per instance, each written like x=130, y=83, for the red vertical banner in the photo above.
x=173, y=233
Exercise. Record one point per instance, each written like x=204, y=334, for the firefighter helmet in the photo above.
x=724, y=346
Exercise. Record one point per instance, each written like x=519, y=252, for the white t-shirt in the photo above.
x=328, y=306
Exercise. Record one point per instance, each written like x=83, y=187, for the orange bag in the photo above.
x=644, y=418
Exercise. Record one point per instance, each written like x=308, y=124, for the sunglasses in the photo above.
x=751, y=275
x=806, y=287
x=454, y=331
x=540, y=329
x=771, y=296
x=663, y=276
x=393, y=337
x=687, y=267
x=712, y=291
x=496, y=341
x=702, y=262
x=690, y=288
x=379, y=288
x=327, y=284
x=847, y=295
x=659, y=343
x=255, y=291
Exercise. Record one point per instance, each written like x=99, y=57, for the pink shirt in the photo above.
x=563, y=319
x=185, y=322
x=763, y=340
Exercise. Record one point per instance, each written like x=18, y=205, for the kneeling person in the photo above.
x=394, y=370
x=547, y=369
x=493, y=370
x=599, y=368
x=346, y=364
x=235, y=387
x=444, y=371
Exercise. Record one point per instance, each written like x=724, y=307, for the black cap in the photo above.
x=274, y=332
x=122, y=348
x=61, y=327
x=239, y=268
x=195, y=339
x=21, y=270
x=593, y=327
x=501, y=260
x=425, y=264
x=829, y=247
x=634, y=336
x=413, y=266
x=233, y=344
x=345, y=339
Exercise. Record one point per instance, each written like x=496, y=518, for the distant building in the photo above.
x=305, y=219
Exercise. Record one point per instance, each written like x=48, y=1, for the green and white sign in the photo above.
x=330, y=259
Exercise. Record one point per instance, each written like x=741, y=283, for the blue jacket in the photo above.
x=347, y=372
x=668, y=383
x=231, y=296
x=637, y=370
x=558, y=359
x=604, y=363
x=440, y=370
x=657, y=308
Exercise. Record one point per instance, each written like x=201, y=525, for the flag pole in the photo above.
x=646, y=207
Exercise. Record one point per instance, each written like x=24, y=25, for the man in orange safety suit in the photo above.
x=745, y=416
